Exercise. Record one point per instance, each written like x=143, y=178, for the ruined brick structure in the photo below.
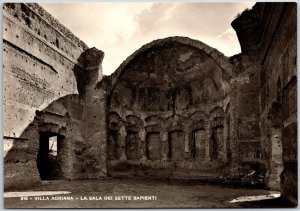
x=49, y=77
x=175, y=108
x=170, y=123
x=268, y=38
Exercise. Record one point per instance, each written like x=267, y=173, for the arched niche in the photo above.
x=198, y=133
x=133, y=127
x=49, y=138
x=176, y=141
x=54, y=129
x=153, y=142
x=114, y=145
x=216, y=142
x=153, y=138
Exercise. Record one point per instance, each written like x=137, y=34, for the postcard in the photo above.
x=150, y=105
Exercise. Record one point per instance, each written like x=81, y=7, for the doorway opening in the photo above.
x=49, y=158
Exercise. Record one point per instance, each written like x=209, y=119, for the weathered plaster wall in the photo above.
x=268, y=33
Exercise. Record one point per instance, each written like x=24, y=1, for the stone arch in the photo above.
x=54, y=132
x=109, y=82
x=171, y=81
x=53, y=121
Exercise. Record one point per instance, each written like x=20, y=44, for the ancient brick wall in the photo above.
x=279, y=92
x=39, y=55
x=247, y=103
x=50, y=90
x=168, y=112
x=268, y=32
x=247, y=65
x=77, y=121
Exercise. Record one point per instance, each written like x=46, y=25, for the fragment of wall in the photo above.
x=273, y=25
x=279, y=96
x=44, y=66
x=79, y=120
x=39, y=59
x=248, y=93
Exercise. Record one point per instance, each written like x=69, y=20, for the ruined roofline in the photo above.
x=216, y=55
x=39, y=10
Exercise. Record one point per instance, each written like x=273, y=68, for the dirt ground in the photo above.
x=126, y=193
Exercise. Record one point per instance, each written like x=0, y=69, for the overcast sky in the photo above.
x=119, y=29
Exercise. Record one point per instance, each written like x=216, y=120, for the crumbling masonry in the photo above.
x=175, y=108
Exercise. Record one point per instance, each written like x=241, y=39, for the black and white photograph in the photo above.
x=149, y=105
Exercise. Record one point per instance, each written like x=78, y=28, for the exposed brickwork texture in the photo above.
x=268, y=37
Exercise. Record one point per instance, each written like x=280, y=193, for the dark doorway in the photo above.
x=48, y=158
